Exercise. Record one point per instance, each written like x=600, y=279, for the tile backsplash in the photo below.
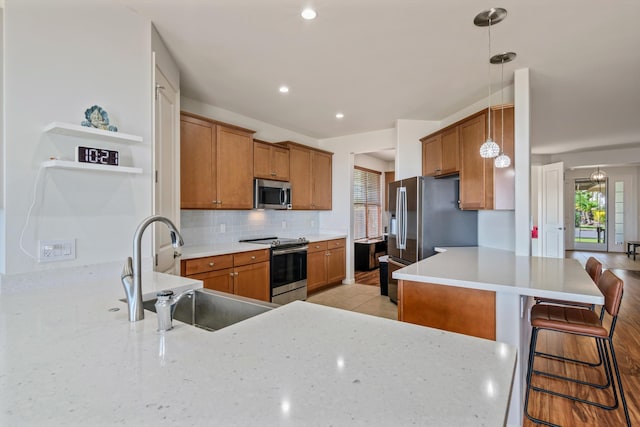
x=202, y=227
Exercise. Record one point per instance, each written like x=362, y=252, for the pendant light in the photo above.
x=489, y=149
x=503, y=160
x=598, y=176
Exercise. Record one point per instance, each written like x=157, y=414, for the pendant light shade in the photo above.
x=489, y=149
x=598, y=176
x=502, y=161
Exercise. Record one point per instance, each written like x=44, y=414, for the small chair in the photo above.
x=578, y=321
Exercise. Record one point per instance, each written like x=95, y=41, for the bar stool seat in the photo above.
x=556, y=318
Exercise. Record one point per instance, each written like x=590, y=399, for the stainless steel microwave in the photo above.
x=269, y=194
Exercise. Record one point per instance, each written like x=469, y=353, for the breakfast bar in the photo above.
x=71, y=357
x=500, y=287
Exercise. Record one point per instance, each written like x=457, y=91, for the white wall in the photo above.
x=409, y=147
x=61, y=58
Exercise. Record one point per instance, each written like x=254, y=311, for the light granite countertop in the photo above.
x=67, y=359
x=503, y=271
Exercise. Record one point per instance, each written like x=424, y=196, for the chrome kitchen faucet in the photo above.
x=132, y=271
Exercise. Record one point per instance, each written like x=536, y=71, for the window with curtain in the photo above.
x=366, y=203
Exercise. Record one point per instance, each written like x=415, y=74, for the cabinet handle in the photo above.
x=253, y=257
x=210, y=264
x=236, y=274
x=327, y=254
x=273, y=174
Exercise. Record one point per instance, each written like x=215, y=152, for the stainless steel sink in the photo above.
x=212, y=310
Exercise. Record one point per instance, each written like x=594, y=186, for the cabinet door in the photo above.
x=252, y=281
x=316, y=270
x=280, y=163
x=262, y=160
x=432, y=156
x=321, y=181
x=234, y=168
x=300, y=167
x=219, y=280
x=476, y=173
x=336, y=270
x=197, y=160
x=450, y=151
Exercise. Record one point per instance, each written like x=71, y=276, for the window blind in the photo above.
x=366, y=203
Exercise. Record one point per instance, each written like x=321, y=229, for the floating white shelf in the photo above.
x=86, y=132
x=66, y=164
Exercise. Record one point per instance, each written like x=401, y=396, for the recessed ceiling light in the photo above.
x=309, y=14
x=284, y=89
x=339, y=115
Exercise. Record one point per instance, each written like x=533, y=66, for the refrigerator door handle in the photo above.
x=402, y=217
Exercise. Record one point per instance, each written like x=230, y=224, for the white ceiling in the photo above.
x=382, y=60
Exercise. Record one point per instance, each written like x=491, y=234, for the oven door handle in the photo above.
x=289, y=250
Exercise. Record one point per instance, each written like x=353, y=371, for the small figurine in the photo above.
x=97, y=118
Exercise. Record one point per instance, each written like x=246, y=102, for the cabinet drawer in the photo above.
x=337, y=243
x=244, y=258
x=211, y=263
x=317, y=247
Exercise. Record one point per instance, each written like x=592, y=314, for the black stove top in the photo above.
x=275, y=242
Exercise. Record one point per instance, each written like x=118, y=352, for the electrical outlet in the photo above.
x=284, y=224
x=223, y=228
x=56, y=250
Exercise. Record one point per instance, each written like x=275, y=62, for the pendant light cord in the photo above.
x=489, y=69
x=502, y=106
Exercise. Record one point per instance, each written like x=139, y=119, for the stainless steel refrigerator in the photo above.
x=424, y=213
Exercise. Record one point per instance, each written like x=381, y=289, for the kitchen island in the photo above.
x=491, y=288
x=68, y=359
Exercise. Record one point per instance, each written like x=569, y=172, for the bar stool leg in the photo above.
x=622, y=398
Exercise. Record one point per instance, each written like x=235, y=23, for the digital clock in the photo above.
x=99, y=156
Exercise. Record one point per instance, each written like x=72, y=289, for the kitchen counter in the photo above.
x=190, y=252
x=515, y=281
x=67, y=359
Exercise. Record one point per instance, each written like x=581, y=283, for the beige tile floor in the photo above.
x=359, y=298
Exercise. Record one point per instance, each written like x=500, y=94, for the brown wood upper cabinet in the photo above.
x=482, y=185
x=310, y=176
x=441, y=153
x=216, y=164
x=270, y=161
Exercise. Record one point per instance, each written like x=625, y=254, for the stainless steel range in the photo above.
x=288, y=268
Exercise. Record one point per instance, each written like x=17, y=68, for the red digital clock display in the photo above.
x=98, y=156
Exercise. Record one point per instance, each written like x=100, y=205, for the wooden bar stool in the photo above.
x=578, y=321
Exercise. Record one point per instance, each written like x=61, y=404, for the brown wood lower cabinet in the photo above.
x=245, y=274
x=325, y=263
x=465, y=311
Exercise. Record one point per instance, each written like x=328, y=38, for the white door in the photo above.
x=166, y=199
x=552, y=233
